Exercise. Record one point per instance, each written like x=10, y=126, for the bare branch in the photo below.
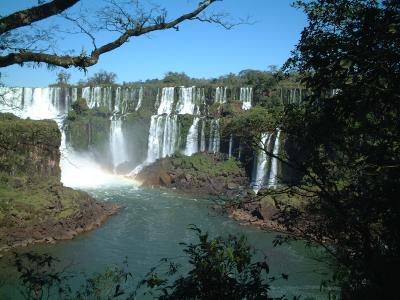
x=83, y=61
x=222, y=20
x=28, y=16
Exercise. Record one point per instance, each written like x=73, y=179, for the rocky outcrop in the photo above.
x=34, y=205
x=29, y=147
x=199, y=174
x=262, y=210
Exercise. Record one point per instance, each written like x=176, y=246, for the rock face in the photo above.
x=29, y=147
x=262, y=210
x=199, y=174
x=34, y=205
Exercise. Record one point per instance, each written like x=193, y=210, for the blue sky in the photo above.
x=198, y=49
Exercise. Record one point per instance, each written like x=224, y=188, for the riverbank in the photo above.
x=34, y=205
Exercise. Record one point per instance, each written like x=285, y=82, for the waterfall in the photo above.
x=34, y=103
x=203, y=137
x=272, y=181
x=246, y=96
x=189, y=101
x=186, y=102
x=77, y=170
x=214, y=141
x=192, y=141
x=99, y=97
x=117, y=143
x=163, y=133
x=230, y=146
x=167, y=100
x=162, y=137
x=262, y=162
x=220, y=95
x=117, y=100
x=140, y=99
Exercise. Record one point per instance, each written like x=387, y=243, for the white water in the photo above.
x=163, y=138
x=77, y=169
x=140, y=99
x=117, y=143
x=203, y=137
x=246, y=96
x=214, y=141
x=98, y=96
x=220, y=95
x=192, y=141
x=167, y=100
x=230, y=146
x=262, y=162
x=186, y=102
x=273, y=176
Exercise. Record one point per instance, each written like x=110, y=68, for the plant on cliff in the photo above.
x=80, y=106
x=63, y=78
x=348, y=132
x=101, y=77
x=249, y=126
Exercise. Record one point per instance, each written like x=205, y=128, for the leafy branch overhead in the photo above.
x=27, y=36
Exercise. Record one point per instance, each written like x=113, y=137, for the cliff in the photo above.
x=34, y=205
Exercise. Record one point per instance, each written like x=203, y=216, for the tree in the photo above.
x=176, y=78
x=102, y=78
x=23, y=40
x=348, y=132
x=63, y=78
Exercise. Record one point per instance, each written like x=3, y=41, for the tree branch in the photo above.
x=83, y=61
x=28, y=16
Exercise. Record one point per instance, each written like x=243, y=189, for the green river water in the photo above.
x=150, y=227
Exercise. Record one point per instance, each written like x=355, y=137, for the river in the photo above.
x=151, y=225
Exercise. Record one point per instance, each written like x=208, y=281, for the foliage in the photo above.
x=87, y=127
x=63, y=78
x=220, y=269
x=201, y=164
x=38, y=275
x=101, y=77
x=175, y=78
x=28, y=146
x=347, y=130
x=80, y=106
x=249, y=125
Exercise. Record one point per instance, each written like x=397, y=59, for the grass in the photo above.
x=201, y=164
x=32, y=199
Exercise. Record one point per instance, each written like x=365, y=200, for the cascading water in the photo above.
x=192, y=141
x=220, y=95
x=262, y=162
x=230, y=146
x=163, y=133
x=246, y=96
x=203, y=137
x=77, y=169
x=164, y=136
x=166, y=102
x=140, y=99
x=117, y=143
x=214, y=142
x=273, y=176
